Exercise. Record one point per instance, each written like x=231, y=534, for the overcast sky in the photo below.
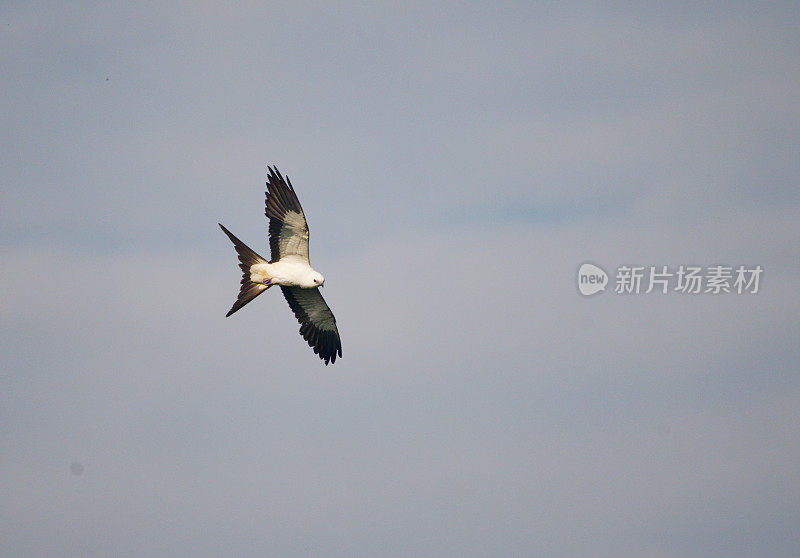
x=457, y=163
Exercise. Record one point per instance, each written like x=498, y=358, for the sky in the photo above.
x=457, y=163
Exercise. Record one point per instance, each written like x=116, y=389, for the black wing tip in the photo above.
x=278, y=184
x=328, y=348
x=274, y=177
x=333, y=356
x=281, y=188
x=325, y=344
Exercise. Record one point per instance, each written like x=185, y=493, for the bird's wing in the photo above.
x=288, y=230
x=318, y=326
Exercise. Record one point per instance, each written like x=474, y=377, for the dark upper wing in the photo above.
x=318, y=326
x=288, y=230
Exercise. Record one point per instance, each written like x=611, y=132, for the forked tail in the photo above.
x=247, y=258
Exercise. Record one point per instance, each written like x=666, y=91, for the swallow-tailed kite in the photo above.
x=289, y=268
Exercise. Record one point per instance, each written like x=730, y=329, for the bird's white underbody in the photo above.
x=290, y=271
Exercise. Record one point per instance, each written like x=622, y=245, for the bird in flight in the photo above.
x=289, y=268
